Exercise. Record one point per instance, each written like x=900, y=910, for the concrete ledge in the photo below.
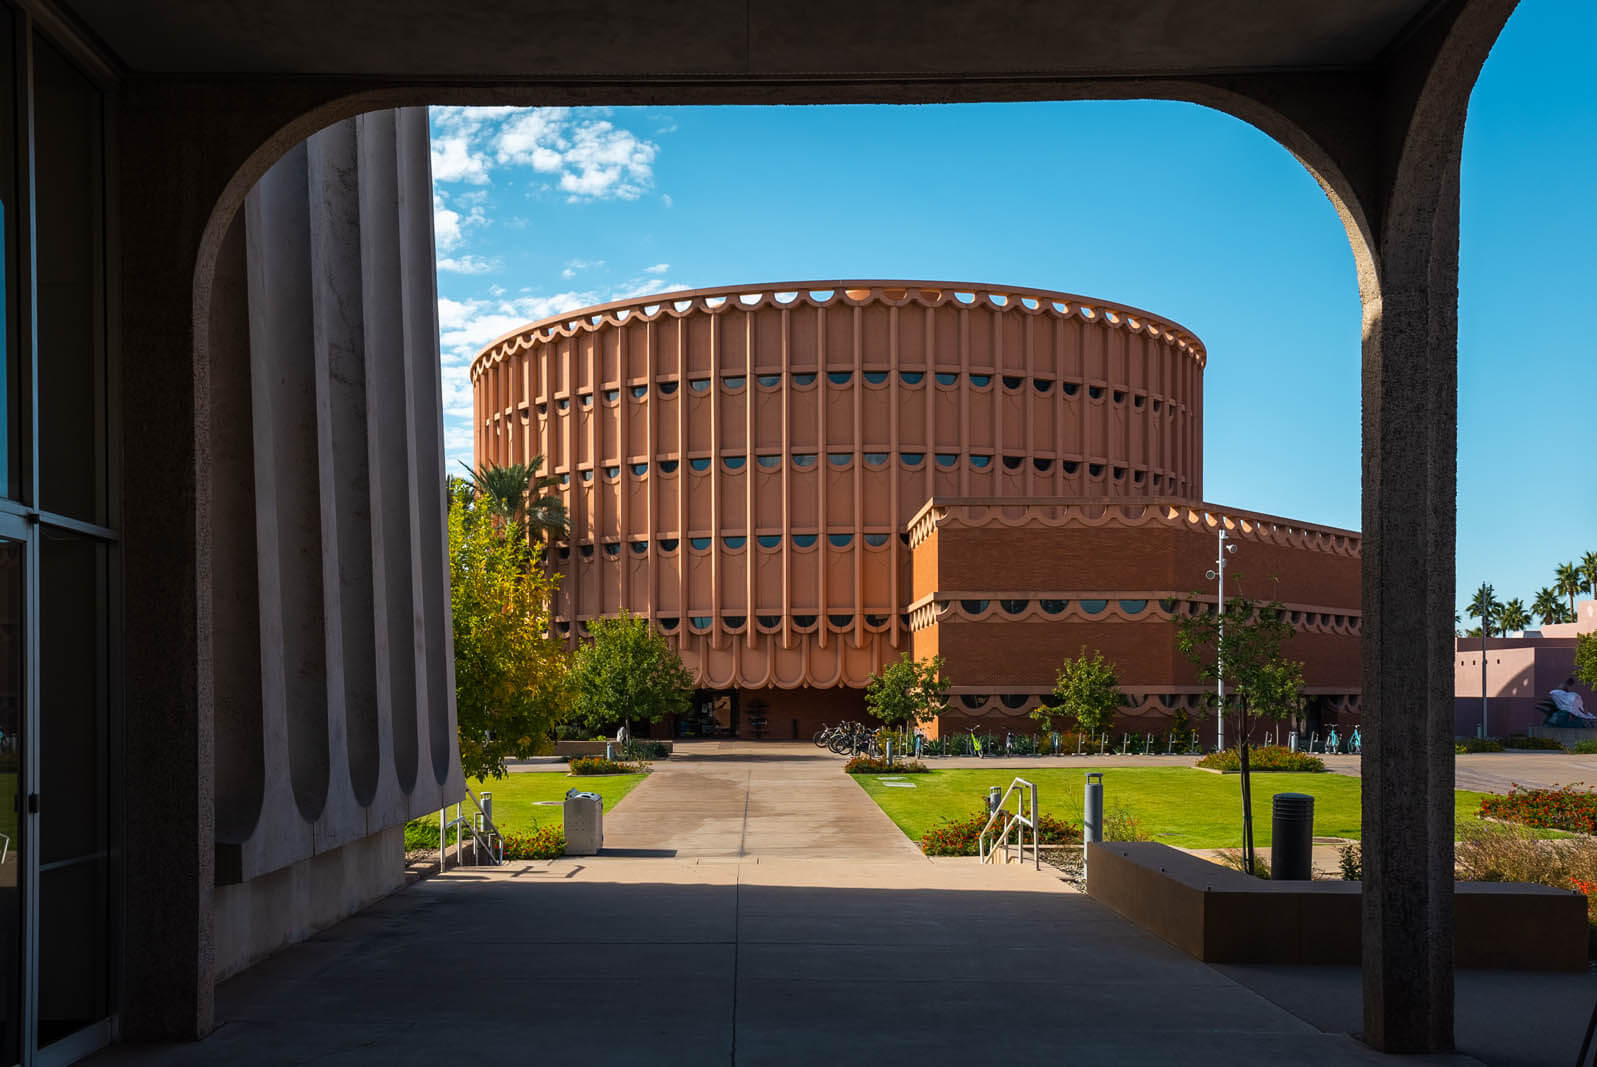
x=1223, y=916
x=568, y=749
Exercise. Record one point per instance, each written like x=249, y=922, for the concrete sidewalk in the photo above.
x=742, y=800
x=628, y=961
x=754, y=908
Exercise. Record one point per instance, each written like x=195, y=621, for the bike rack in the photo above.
x=1025, y=816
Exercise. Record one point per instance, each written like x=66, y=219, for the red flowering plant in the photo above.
x=539, y=843
x=1563, y=808
x=961, y=837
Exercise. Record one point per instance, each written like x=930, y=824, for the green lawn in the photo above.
x=1175, y=805
x=516, y=801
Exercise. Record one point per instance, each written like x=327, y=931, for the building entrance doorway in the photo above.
x=714, y=714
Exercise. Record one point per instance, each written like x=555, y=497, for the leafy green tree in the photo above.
x=1244, y=640
x=1586, y=659
x=510, y=677
x=1086, y=692
x=627, y=673
x=1569, y=580
x=1484, y=606
x=1588, y=567
x=1512, y=615
x=1548, y=606
x=908, y=691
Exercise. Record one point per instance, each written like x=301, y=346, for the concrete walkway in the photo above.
x=721, y=800
x=756, y=908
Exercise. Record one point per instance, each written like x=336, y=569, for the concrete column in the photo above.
x=1410, y=478
x=1410, y=385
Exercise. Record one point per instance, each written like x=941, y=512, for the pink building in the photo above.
x=1520, y=671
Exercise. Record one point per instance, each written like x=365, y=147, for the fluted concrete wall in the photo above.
x=335, y=710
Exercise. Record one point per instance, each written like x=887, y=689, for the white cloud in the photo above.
x=658, y=268
x=593, y=158
x=468, y=265
x=665, y=198
x=574, y=265
x=449, y=225
x=454, y=160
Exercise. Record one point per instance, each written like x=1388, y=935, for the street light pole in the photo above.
x=1218, y=573
x=1485, y=625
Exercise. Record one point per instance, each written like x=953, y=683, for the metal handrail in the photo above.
x=479, y=824
x=1025, y=817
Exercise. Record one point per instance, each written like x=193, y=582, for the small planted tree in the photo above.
x=1086, y=693
x=627, y=673
x=908, y=691
x=1586, y=659
x=1244, y=642
x=510, y=678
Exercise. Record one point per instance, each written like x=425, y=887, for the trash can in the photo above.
x=1291, y=837
x=584, y=819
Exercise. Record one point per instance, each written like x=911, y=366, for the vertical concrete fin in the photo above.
x=341, y=412
x=282, y=365
x=420, y=315
x=392, y=599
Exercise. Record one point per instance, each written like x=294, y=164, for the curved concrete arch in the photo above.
x=1379, y=140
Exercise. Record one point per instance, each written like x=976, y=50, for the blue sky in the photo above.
x=1186, y=212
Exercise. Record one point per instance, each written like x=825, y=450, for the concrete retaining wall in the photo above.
x=1222, y=916
x=272, y=911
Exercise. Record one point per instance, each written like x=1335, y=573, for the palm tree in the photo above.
x=1548, y=606
x=1512, y=616
x=519, y=494
x=1588, y=564
x=1569, y=581
x=1484, y=606
x=546, y=511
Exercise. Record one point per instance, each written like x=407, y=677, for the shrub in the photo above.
x=1540, y=743
x=1232, y=857
x=1120, y=825
x=1272, y=758
x=1477, y=744
x=877, y=765
x=638, y=750
x=600, y=765
x=1503, y=852
x=1586, y=748
x=1564, y=808
x=539, y=843
x=1351, y=859
x=421, y=835
x=962, y=836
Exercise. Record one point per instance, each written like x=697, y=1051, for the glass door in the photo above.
x=15, y=820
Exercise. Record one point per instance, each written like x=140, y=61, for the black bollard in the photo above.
x=1291, y=837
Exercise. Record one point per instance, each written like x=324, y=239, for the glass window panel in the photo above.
x=11, y=382
x=74, y=910
x=73, y=726
x=69, y=212
x=75, y=832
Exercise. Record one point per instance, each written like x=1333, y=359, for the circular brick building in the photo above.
x=761, y=470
